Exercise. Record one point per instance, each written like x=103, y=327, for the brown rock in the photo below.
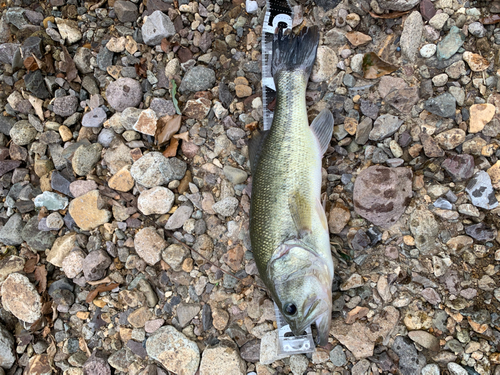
x=197, y=109
x=243, y=91
x=39, y=365
x=356, y=314
x=146, y=123
x=431, y=148
x=61, y=248
x=220, y=319
x=460, y=242
x=480, y=115
x=476, y=62
x=350, y=125
x=149, y=245
x=139, y=317
x=358, y=39
x=20, y=297
x=65, y=133
x=122, y=180
x=338, y=218
x=494, y=172
x=43, y=166
x=451, y=138
x=87, y=211
x=425, y=339
x=382, y=194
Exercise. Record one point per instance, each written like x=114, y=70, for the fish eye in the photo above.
x=290, y=309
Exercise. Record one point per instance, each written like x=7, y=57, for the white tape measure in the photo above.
x=278, y=14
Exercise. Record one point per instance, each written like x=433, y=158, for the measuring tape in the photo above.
x=278, y=14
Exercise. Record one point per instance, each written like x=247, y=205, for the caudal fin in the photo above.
x=295, y=52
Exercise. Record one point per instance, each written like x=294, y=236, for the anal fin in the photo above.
x=322, y=127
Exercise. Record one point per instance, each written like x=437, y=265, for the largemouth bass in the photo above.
x=288, y=226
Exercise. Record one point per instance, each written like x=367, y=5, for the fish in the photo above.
x=288, y=227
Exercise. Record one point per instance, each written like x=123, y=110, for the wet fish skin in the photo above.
x=288, y=227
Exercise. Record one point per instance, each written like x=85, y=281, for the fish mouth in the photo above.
x=318, y=313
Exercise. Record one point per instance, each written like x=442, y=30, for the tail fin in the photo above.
x=295, y=52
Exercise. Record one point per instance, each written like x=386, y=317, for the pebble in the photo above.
x=459, y=167
x=481, y=192
x=72, y=264
x=10, y=234
x=85, y=211
x=95, y=265
x=398, y=5
x=410, y=362
x=439, y=20
x=94, y=118
x=156, y=201
x=179, y=217
x=126, y=11
x=450, y=139
x=154, y=169
x=20, y=297
x=476, y=62
x=235, y=175
x=442, y=105
x=65, y=106
x=450, y=44
x=51, y=201
x=7, y=354
x=149, y=245
x=124, y=93
x=223, y=358
x=425, y=339
x=477, y=29
x=385, y=126
x=156, y=27
x=456, y=369
x=410, y=37
x=480, y=115
x=481, y=232
x=146, y=122
x=198, y=78
x=424, y=229
x=69, y=30
x=337, y=356
x=382, y=194
x=226, y=207
x=326, y=64
x=428, y=50
x=173, y=350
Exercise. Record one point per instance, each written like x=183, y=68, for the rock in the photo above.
x=126, y=11
x=410, y=37
x=494, y=173
x=269, y=348
x=20, y=297
x=174, y=351
x=428, y=51
x=337, y=356
x=363, y=131
x=154, y=169
x=431, y=148
x=7, y=354
x=156, y=27
x=360, y=337
x=477, y=29
x=82, y=61
x=223, y=358
x=149, y=245
x=480, y=115
x=61, y=248
x=226, y=207
x=174, y=256
x=459, y=167
x=450, y=139
x=81, y=187
x=439, y=20
x=398, y=5
x=146, y=123
x=325, y=66
x=69, y=30
x=354, y=281
x=23, y=133
x=36, y=85
x=410, y=362
x=425, y=339
x=124, y=93
x=250, y=351
x=10, y=234
x=382, y=194
x=180, y=216
x=476, y=62
x=456, y=369
x=424, y=229
x=186, y=312
x=65, y=106
x=197, y=108
x=86, y=211
x=36, y=239
x=95, y=265
x=198, y=78
x=85, y=158
x=385, y=126
x=94, y=118
x=450, y=44
x=443, y=105
x=156, y=201
x=122, y=180
x=72, y=263
x=338, y=218
x=97, y=364
x=481, y=232
x=235, y=175
x=122, y=359
x=139, y=317
x=481, y=191
x=8, y=52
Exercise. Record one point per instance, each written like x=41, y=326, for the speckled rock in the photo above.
x=223, y=358
x=124, y=93
x=20, y=297
x=149, y=245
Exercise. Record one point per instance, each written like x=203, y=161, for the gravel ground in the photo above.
x=125, y=183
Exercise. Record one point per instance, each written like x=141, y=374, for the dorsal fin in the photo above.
x=322, y=127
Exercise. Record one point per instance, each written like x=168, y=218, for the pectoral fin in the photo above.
x=301, y=214
x=322, y=127
x=320, y=211
x=255, y=147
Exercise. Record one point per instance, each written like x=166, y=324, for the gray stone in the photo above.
x=104, y=58
x=126, y=11
x=459, y=167
x=23, y=133
x=154, y=169
x=226, y=207
x=174, y=255
x=95, y=265
x=7, y=354
x=94, y=118
x=15, y=16
x=382, y=194
x=477, y=29
x=235, y=175
x=36, y=85
x=20, y=297
x=179, y=217
x=450, y=44
x=8, y=51
x=82, y=61
x=149, y=245
x=198, y=78
x=424, y=228
x=410, y=362
x=6, y=124
x=36, y=239
x=124, y=93
x=106, y=137
x=10, y=234
x=399, y=5
x=162, y=107
x=337, y=356
x=481, y=191
x=385, y=126
x=224, y=358
x=481, y=232
x=443, y=105
x=65, y=106
x=96, y=364
x=86, y=158
x=456, y=369
x=174, y=351
x=156, y=201
x=157, y=26
x=410, y=37
x=363, y=131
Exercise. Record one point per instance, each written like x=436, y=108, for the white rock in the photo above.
x=158, y=200
x=325, y=66
x=439, y=20
x=428, y=50
x=252, y=6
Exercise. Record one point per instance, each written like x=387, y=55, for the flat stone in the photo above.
x=126, y=11
x=459, y=167
x=338, y=218
x=85, y=158
x=94, y=118
x=450, y=44
x=51, y=201
x=156, y=27
x=382, y=194
x=481, y=191
x=385, y=126
x=174, y=351
x=398, y=5
x=86, y=211
x=235, y=175
x=481, y=232
x=198, y=78
x=180, y=216
x=326, y=64
x=146, y=123
x=354, y=281
x=197, y=109
x=476, y=62
x=424, y=229
x=95, y=265
x=224, y=358
x=69, y=30
x=124, y=93
x=81, y=187
x=410, y=37
x=36, y=85
x=443, y=105
x=122, y=180
x=456, y=369
x=7, y=354
x=23, y=133
x=480, y=115
x=149, y=245
x=450, y=139
x=97, y=363
x=61, y=248
x=410, y=362
x=36, y=239
x=156, y=201
x=10, y=234
x=20, y=297
x=431, y=148
x=425, y=339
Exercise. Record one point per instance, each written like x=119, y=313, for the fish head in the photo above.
x=301, y=286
